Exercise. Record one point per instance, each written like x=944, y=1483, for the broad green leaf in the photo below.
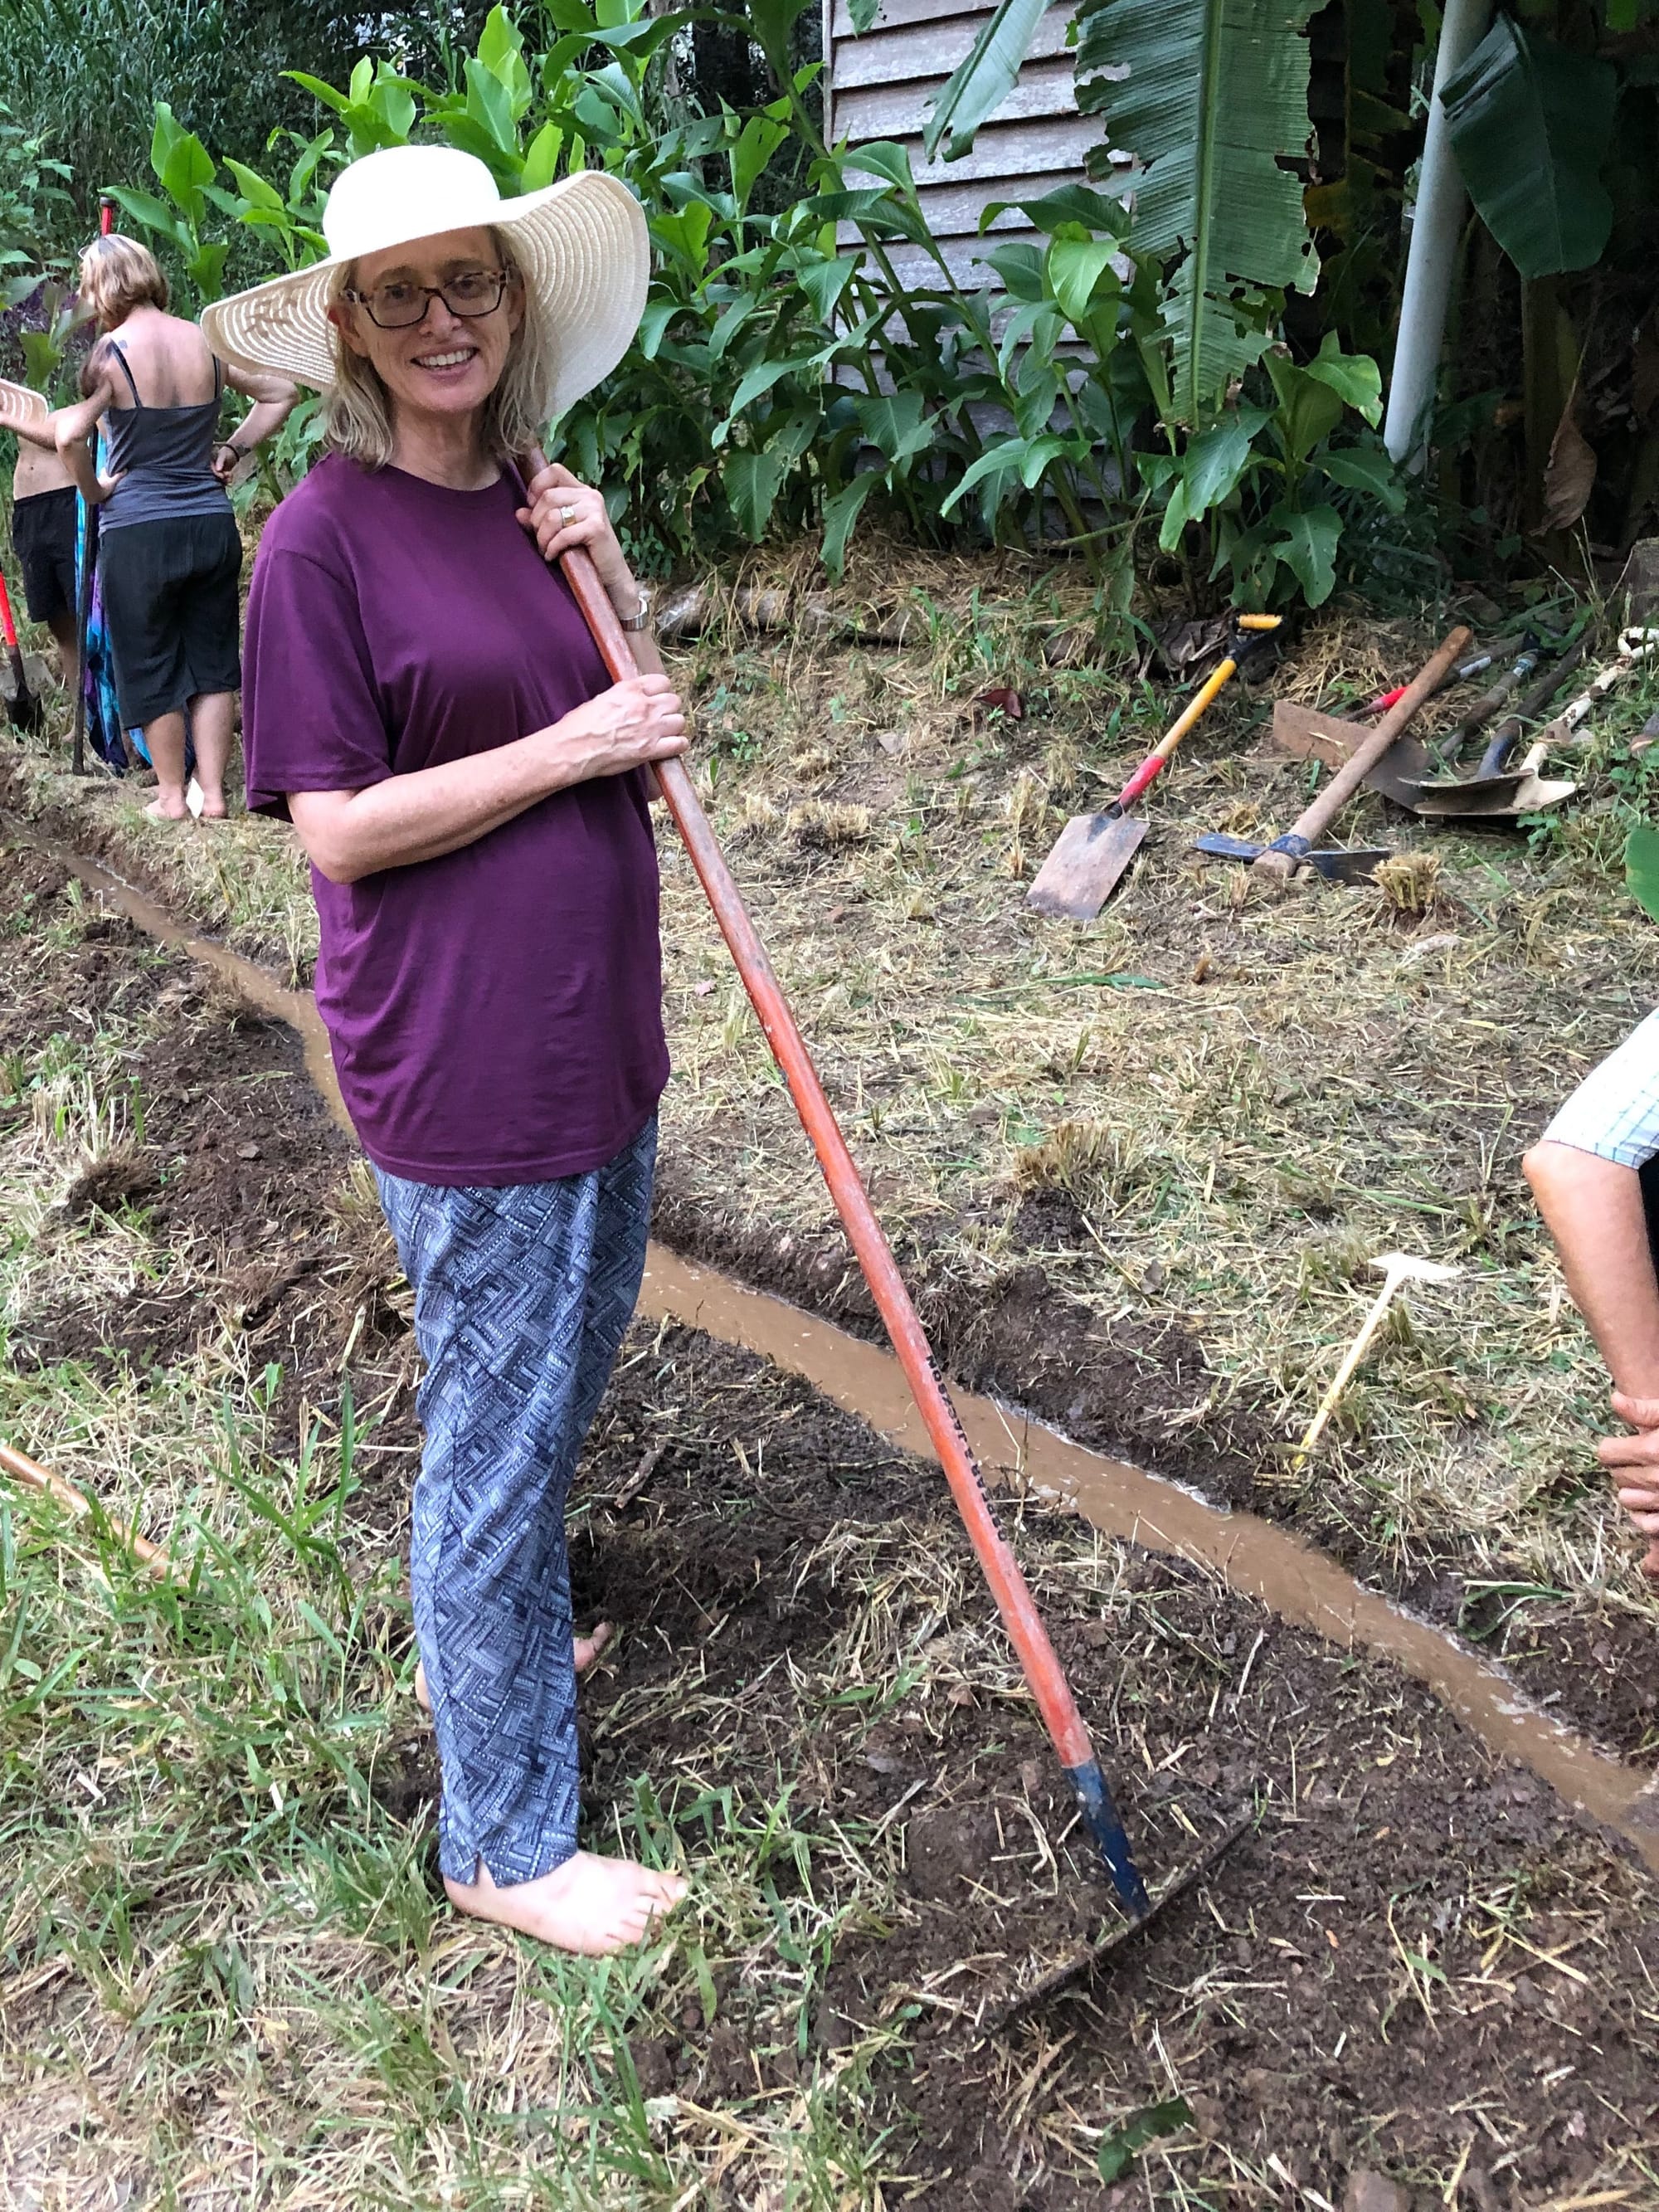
x=862, y=14
x=1367, y=469
x=882, y=158
x=1075, y=267
x=653, y=323
x=981, y=82
x=541, y=158
x=253, y=188
x=1071, y=203
x=1117, y=2150
x=339, y=101
x=1530, y=124
x=145, y=208
x=393, y=101
x=824, y=282
x=487, y=103
x=1307, y=546
x=1212, y=97
x=1040, y=451
x=1354, y=377
x=759, y=139
x=361, y=82
x=1212, y=342
x=500, y=45
x=769, y=22
x=996, y=467
x=1216, y=458
x=1308, y=410
x=896, y=423
x=1642, y=867
x=753, y=384
x=205, y=267
x=685, y=234
x=1020, y=267
x=752, y=483
x=187, y=167
x=840, y=511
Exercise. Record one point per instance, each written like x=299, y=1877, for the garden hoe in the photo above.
x=1295, y=848
x=1093, y=850
x=1038, y=1661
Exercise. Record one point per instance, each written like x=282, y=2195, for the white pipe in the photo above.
x=1436, y=225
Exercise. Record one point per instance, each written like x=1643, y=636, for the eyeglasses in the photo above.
x=398, y=306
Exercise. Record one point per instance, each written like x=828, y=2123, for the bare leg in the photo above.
x=63, y=627
x=1593, y=1209
x=164, y=741
x=587, y=1650
x=589, y=1904
x=211, y=714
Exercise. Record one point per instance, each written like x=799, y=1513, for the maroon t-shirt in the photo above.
x=495, y=1015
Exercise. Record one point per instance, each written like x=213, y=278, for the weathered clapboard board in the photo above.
x=880, y=85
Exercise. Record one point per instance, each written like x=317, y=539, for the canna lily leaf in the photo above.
x=1642, y=867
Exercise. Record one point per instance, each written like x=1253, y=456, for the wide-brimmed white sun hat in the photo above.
x=21, y=403
x=581, y=246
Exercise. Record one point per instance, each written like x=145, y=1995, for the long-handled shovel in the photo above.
x=1029, y=1638
x=22, y=707
x=1093, y=850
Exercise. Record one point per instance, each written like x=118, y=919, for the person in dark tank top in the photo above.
x=170, y=556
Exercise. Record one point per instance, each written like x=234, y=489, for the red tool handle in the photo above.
x=1036, y=1654
x=7, y=625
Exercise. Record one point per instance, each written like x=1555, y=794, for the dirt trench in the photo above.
x=1417, y=1959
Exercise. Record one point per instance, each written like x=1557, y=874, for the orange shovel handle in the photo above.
x=1038, y=1658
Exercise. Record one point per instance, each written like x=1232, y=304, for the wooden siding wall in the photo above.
x=879, y=86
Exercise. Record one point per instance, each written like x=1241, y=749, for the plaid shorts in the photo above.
x=1614, y=1112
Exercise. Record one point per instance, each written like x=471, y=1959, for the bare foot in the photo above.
x=166, y=810
x=588, y=1649
x=213, y=807
x=589, y=1904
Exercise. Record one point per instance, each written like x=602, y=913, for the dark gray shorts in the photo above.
x=170, y=607
x=43, y=538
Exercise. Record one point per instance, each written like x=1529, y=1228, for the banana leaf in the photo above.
x=1530, y=124
x=984, y=80
x=1208, y=95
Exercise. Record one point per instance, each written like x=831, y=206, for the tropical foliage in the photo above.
x=784, y=377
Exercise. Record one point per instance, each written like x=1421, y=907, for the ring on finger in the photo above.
x=567, y=516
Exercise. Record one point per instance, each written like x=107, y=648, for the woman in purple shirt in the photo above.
x=424, y=703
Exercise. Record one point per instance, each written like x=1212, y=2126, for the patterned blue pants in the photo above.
x=522, y=1296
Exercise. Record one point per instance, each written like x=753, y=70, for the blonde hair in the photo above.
x=117, y=276
x=357, y=412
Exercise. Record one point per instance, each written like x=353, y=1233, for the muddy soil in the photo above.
x=1027, y=1342
x=1415, y=1958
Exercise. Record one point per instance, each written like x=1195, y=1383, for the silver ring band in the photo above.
x=567, y=516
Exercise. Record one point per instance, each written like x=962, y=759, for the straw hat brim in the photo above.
x=21, y=403
x=583, y=250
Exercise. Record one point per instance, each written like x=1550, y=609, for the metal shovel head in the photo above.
x=1301, y=733
x=22, y=707
x=1089, y=855
x=1533, y=794
x=1485, y=794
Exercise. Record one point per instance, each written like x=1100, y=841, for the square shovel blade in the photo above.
x=1089, y=855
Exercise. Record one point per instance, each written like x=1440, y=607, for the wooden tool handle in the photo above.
x=1038, y=1660
x=1285, y=855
